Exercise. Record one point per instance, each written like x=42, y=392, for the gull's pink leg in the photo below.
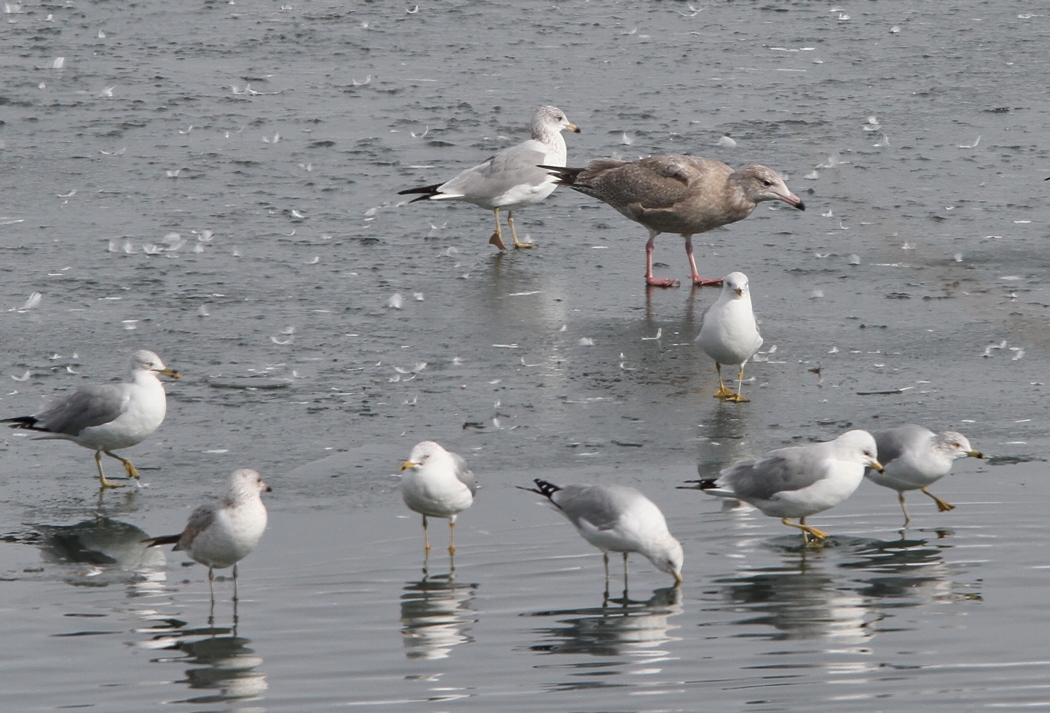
x=649, y=279
x=694, y=273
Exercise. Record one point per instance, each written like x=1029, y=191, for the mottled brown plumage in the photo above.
x=677, y=194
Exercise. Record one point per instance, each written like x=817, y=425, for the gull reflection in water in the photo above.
x=221, y=667
x=843, y=593
x=101, y=550
x=436, y=614
x=634, y=631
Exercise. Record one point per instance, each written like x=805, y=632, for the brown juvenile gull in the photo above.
x=677, y=194
x=107, y=417
x=916, y=458
x=512, y=178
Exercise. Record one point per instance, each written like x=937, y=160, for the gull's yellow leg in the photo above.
x=426, y=537
x=722, y=393
x=738, y=397
x=605, y=559
x=452, y=536
x=128, y=467
x=497, y=237
x=514, y=233
x=818, y=535
x=103, y=481
x=941, y=505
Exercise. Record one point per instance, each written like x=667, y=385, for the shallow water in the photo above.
x=218, y=183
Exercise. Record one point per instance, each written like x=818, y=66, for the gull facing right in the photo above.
x=916, y=457
x=222, y=533
x=729, y=332
x=512, y=178
x=677, y=194
x=800, y=480
x=107, y=417
x=616, y=518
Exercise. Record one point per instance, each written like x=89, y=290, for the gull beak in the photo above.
x=739, y=291
x=266, y=488
x=877, y=466
x=407, y=464
x=169, y=372
x=975, y=454
x=792, y=200
x=573, y=128
x=677, y=578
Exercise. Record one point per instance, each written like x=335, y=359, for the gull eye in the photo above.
x=766, y=182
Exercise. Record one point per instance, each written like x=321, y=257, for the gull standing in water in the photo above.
x=616, y=518
x=107, y=417
x=800, y=480
x=677, y=194
x=223, y=532
x=915, y=458
x=729, y=332
x=437, y=483
x=512, y=178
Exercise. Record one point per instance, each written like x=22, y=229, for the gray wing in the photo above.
x=463, y=473
x=86, y=407
x=893, y=442
x=512, y=167
x=200, y=520
x=782, y=470
x=600, y=506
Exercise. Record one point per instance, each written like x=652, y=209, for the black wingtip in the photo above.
x=162, y=540
x=427, y=192
x=701, y=484
x=25, y=422
x=542, y=488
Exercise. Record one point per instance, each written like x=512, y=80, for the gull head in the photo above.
x=553, y=117
x=426, y=453
x=667, y=556
x=955, y=445
x=763, y=184
x=145, y=360
x=860, y=445
x=735, y=283
x=248, y=482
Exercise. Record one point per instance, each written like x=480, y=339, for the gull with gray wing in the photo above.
x=617, y=518
x=512, y=178
x=799, y=481
x=915, y=458
x=107, y=417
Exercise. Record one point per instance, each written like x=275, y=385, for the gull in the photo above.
x=223, y=532
x=915, y=458
x=437, y=483
x=677, y=194
x=512, y=178
x=799, y=481
x=616, y=518
x=729, y=332
x=107, y=417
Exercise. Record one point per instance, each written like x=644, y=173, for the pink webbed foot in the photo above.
x=654, y=282
x=707, y=282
